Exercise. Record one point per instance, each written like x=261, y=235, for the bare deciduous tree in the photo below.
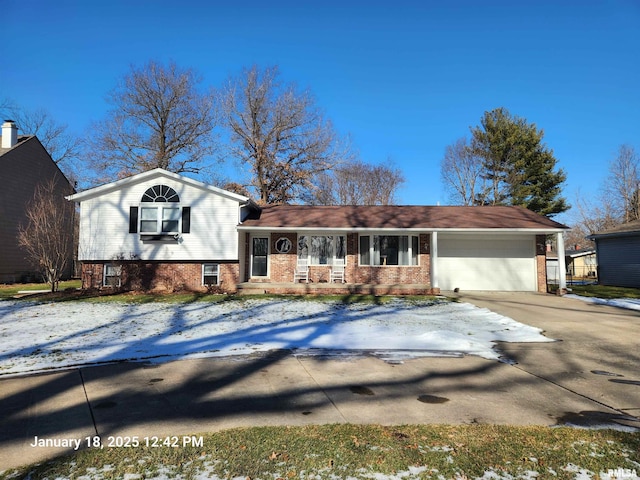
x=357, y=183
x=159, y=119
x=47, y=236
x=590, y=216
x=461, y=172
x=278, y=133
x=64, y=148
x=621, y=184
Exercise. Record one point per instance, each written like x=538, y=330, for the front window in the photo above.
x=210, y=274
x=159, y=220
x=170, y=219
x=149, y=220
x=381, y=250
x=160, y=212
x=321, y=249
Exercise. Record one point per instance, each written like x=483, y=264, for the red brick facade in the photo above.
x=282, y=265
x=162, y=276
x=541, y=263
x=391, y=279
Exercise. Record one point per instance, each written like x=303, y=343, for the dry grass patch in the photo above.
x=363, y=451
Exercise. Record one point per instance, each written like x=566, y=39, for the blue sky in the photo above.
x=404, y=79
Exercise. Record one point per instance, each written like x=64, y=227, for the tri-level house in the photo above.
x=160, y=230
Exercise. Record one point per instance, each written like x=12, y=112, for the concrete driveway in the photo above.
x=597, y=355
x=589, y=377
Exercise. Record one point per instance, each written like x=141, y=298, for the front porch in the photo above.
x=290, y=288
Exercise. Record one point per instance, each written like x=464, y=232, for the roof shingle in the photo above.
x=400, y=217
x=622, y=229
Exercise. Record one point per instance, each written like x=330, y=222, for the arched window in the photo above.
x=160, y=193
x=160, y=214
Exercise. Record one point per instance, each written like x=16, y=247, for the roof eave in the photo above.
x=156, y=172
x=597, y=236
x=537, y=231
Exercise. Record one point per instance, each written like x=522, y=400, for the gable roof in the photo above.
x=629, y=228
x=401, y=217
x=21, y=139
x=151, y=175
x=28, y=153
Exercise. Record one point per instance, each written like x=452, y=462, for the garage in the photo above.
x=487, y=262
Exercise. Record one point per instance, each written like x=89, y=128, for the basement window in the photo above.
x=112, y=275
x=210, y=274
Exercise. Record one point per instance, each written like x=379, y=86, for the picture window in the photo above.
x=383, y=250
x=322, y=249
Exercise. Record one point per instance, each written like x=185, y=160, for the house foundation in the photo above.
x=159, y=276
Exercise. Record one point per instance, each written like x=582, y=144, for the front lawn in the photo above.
x=88, y=333
x=604, y=291
x=10, y=290
x=360, y=452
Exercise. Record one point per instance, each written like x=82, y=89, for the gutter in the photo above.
x=400, y=229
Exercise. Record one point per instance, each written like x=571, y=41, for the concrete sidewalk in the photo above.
x=553, y=383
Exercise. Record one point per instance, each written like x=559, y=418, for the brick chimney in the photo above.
x=9, y=134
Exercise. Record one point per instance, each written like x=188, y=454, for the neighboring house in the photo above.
x=580, y=264
x=161, y=230
x=24, y=164
x=618, y=253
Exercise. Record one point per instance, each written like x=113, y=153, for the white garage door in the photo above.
x=498, y=262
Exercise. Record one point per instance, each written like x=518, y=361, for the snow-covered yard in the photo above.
x=43, y=336
x=626, y=303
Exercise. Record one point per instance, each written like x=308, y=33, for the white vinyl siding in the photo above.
x=104, y=225
x=487, y=262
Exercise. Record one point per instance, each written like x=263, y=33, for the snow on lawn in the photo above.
x=628, y=303
x=42, y=336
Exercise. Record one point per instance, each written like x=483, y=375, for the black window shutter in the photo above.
x=133, y=219
x=186, y=219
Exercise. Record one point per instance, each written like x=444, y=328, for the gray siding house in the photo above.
x=24, y=164
x=618, y=252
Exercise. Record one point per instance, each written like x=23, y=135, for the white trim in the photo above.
x=118, y=274
x=161, y=207
x=562, y=268
x=217, y=274
x=371, y=235
x=251, y=238
x=149, y=175
x=499, y=231
x=433, y=260
x=335, y=245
